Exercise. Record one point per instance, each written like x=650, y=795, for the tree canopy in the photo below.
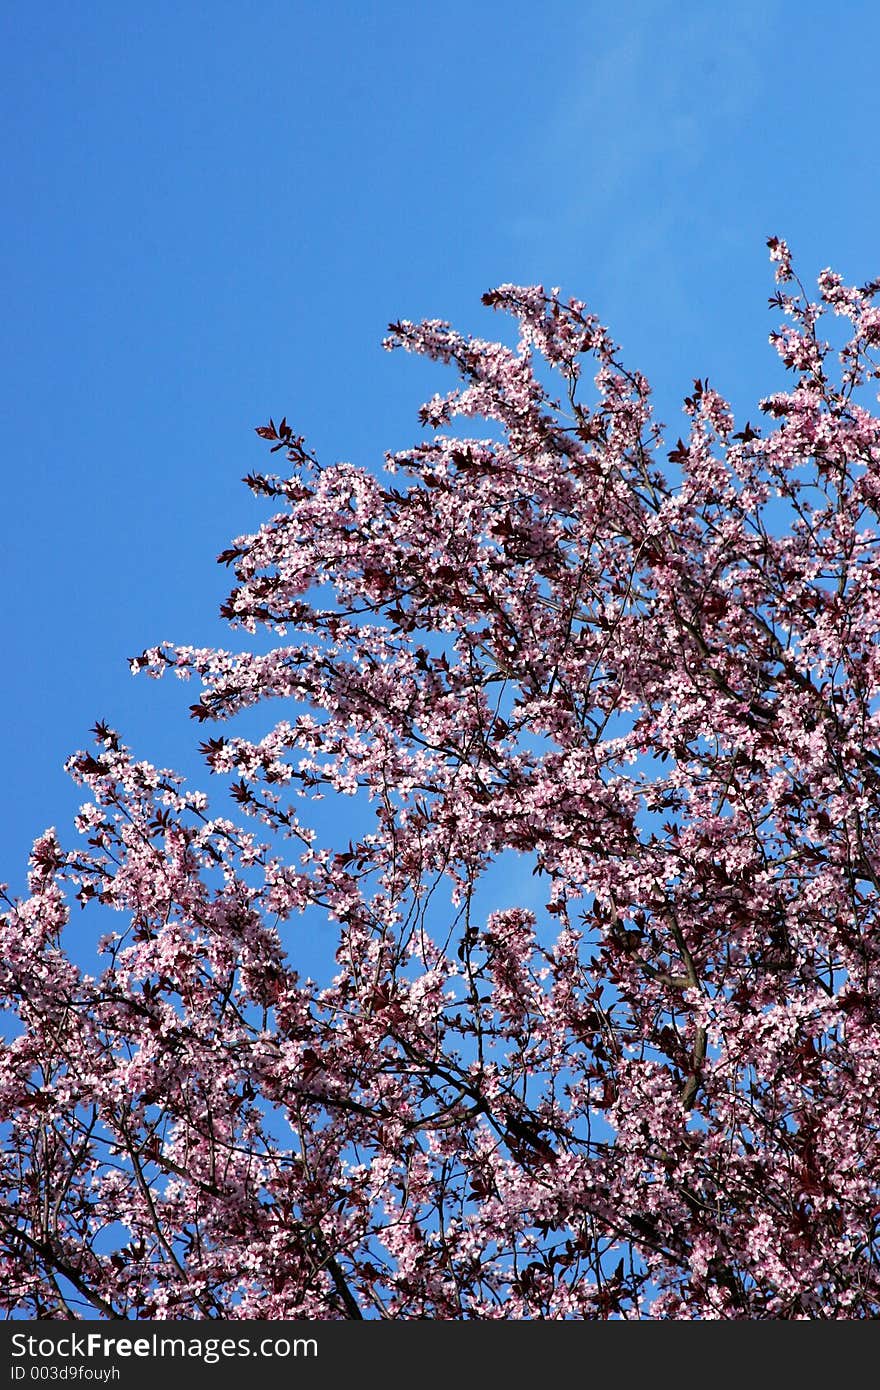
x=650, y=677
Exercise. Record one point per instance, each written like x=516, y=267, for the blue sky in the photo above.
x=212, y=210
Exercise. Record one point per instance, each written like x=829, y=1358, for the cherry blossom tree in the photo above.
x=601, y=1037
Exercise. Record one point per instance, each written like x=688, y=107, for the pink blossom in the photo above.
x=640, y=706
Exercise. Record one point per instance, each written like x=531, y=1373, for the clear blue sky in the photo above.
x=213, y=209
